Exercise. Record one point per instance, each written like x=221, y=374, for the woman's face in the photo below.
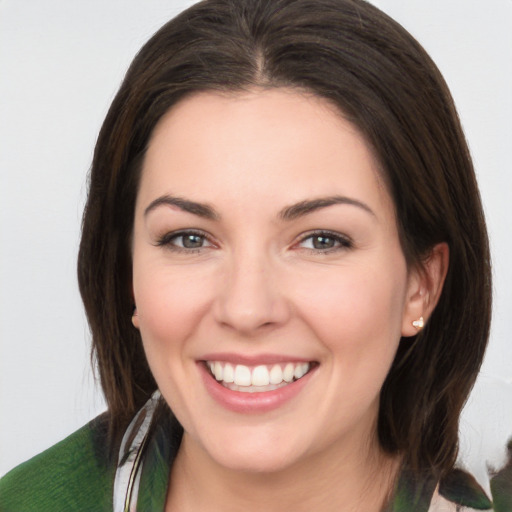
x=265, y=246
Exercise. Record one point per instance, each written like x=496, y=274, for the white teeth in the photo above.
x=217, y=370
x=258, y=378
x=276, y=374
x=288, y=372
x=301, y=370
x=229, y=373
x=242, y=375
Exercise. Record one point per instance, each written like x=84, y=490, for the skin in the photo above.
x=256, y=284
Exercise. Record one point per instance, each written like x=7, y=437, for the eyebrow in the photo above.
x=287, y=214
x=199, y=209
x=305, y=207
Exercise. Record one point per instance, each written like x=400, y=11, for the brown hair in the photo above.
x=350, y=53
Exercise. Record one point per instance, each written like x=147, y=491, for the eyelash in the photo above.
x=342, y=242
x=167, y=240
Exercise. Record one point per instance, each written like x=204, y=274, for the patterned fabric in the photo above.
x=143, y=467
x=77, y=474
x=127, y=481
x=457, y=492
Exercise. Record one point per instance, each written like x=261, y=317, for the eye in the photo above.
x=185, y=241
x=189, y=241
x=325, y=241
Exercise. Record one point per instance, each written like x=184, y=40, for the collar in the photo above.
x=148, y=449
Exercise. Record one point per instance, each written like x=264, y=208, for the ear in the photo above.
x=135, y=318
x=425, y=284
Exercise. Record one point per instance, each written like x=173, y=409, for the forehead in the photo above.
x=268, y=142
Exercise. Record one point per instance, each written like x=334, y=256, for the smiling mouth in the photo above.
x=257, y=379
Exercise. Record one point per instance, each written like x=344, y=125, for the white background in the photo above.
x=61, y=63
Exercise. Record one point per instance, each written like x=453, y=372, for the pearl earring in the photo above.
x=419, y=323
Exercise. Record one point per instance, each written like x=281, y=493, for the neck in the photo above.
x=324, y=482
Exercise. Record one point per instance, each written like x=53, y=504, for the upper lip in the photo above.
x=253, y=359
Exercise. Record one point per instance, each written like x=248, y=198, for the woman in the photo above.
x=284, y=237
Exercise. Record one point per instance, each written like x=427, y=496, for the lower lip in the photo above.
x=257, y=402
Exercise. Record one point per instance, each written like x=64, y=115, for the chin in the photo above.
x=263, y=461
x=255, y=452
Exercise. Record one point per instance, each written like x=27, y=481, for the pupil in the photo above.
x=192, y=241
x=323, y=242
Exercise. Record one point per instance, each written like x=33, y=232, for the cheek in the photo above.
x=169, y=303
x=356, y=311
x=357, y=319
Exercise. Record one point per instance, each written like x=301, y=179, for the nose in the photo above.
x=250, y=298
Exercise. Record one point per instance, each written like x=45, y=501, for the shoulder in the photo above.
x=456, y=491
x=464, y=493
x=75, y=474
x=460, y=491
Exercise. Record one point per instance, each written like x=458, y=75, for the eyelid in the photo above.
x=344, y=241
x=166, y=239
